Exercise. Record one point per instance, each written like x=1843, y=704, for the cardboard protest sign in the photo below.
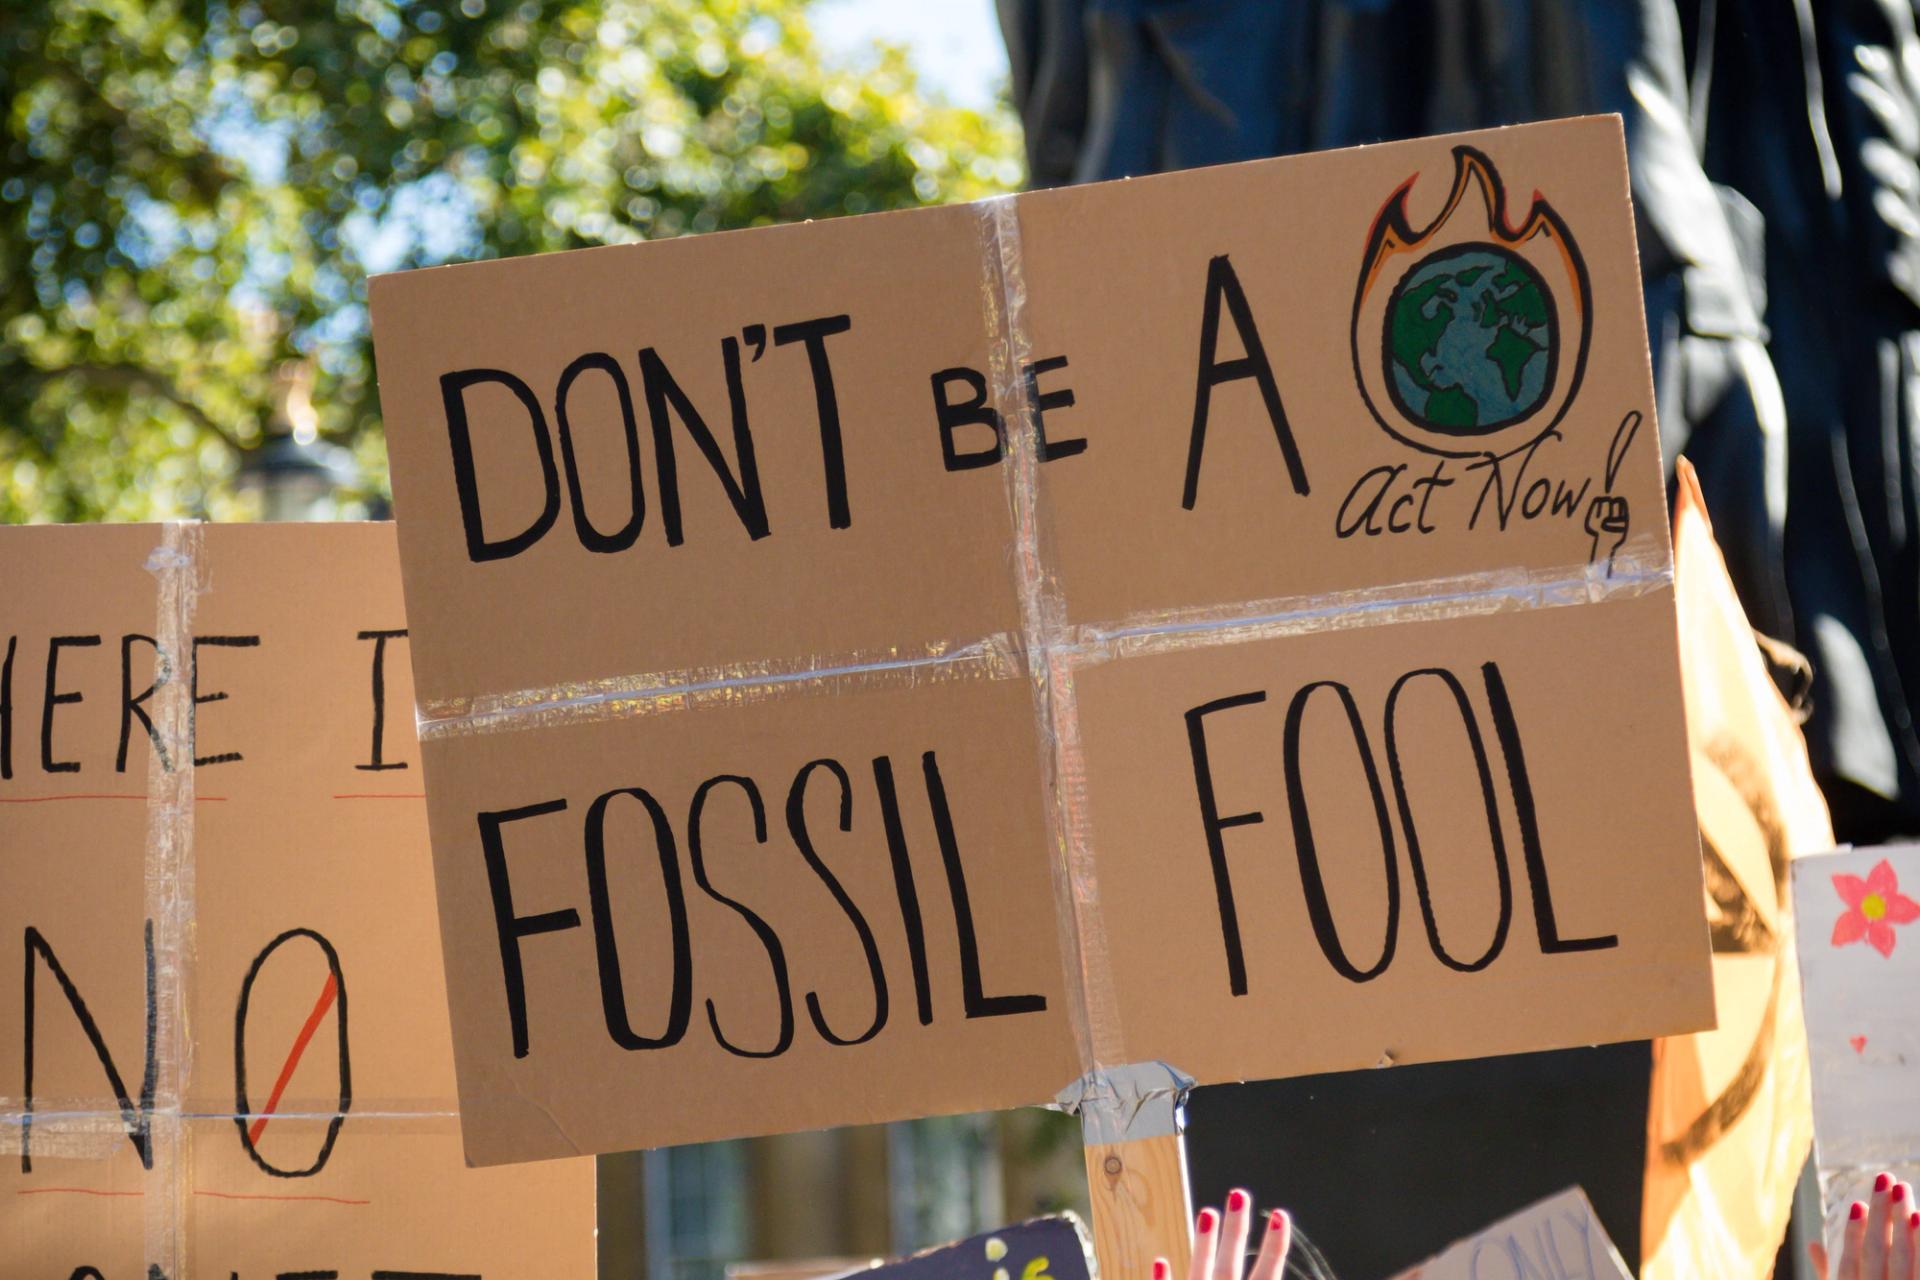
x=1558, y=1238
x=896, y=665
x=227, y=1040
x=1051, y=1248
x=1860, y=967
x=1729, y=1114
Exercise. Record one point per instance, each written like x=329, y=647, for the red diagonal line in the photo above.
x=320, y=1007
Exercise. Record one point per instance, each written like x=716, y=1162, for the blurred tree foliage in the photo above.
x=193, y=192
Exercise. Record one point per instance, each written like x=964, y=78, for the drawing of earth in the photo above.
x=1470, y=340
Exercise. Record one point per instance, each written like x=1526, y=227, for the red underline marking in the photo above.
x=87, y=795
x=235, y=1195
x=218, y=1195
x=383, y=795
x=320, y=1008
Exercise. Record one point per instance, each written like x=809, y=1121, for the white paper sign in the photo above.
x=1858, y=913
x=1558, y=1238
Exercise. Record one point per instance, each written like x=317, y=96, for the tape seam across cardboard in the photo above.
x=1639, y=569
x=1092, y=1009
x=178, y=568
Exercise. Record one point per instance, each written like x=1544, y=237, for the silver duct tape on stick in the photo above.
x=1132, y=1119
x=1125, y=1104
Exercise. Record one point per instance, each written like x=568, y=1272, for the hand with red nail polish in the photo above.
x=1881, y=1239
x=1220, y=1244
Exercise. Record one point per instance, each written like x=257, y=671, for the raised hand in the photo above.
x=1220, y=1244
x=1882, y=1237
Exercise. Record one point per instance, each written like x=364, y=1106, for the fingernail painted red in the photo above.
x=1899, y=1192
x=1276, y=1219
x=1882, y=1182
x=1857, y=1212
x=1206, y=1221
x=1237, y=1201
x=1913, y=1223
x=1161, y=1271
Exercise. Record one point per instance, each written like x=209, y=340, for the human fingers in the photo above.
x=1206, y=1241
x=1162, y=1269
x=1231, y=1259
x=1853, y=1241
x=1900, y=1248
x=1273, y=1247
x=1873, y=1255
x=1818, y=1253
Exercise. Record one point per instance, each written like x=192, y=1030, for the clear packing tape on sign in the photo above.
x=228, y=1043
x=1316, y=502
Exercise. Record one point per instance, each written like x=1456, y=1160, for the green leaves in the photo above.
x=192, y=193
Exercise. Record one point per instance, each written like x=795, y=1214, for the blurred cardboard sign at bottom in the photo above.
x=1051, y=1248
x=1558, y=1238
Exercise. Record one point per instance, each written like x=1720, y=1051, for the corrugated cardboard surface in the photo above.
x=289, y=860
x=1212, y=519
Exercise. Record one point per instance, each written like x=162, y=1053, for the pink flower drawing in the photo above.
x=1874, y=906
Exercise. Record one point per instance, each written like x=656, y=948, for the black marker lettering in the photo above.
x=814, y=333
x=972, y=412
x=1039, y=402
x=130, y=706
x=513, y=928
x=1484, y=775
x=797, y=826
x=776, y=954
x=379, y=762
x=1376, y=483
x=976, y=1004
x=1314, y=887
x=904, y=887
x=57, y=698
x=1426, y=485
x=1223, y=284
x=1216, y=825
x=590, y=537
x=665, y=399
x=466, y=483
x=138, y=1120
x=613, y=992
x=6, y=710
x=200, y=699
x=1508, y=731
x=243, y=1108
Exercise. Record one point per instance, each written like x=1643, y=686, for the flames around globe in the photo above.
x=1470, y=340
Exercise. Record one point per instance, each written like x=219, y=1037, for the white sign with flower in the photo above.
x=1860, y=969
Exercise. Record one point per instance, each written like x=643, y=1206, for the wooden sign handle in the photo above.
x=1141, y=1206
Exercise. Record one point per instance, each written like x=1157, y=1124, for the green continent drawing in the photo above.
x=1470, y=340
